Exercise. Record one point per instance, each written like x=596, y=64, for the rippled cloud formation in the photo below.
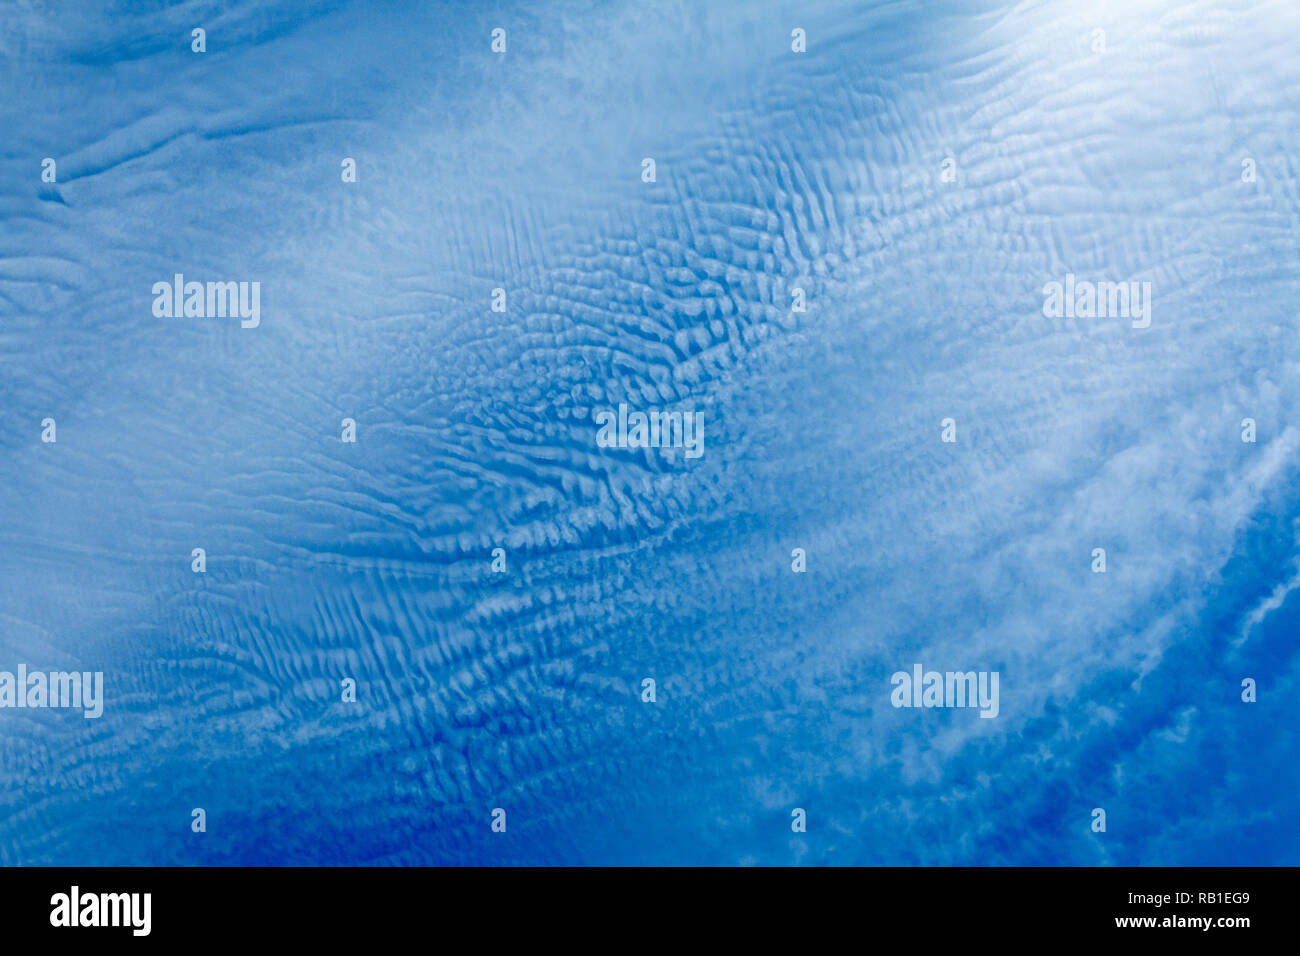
x=512, y=433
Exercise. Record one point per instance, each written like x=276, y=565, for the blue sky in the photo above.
x=1115, y=158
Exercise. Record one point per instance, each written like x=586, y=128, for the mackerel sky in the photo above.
x=920, y=171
